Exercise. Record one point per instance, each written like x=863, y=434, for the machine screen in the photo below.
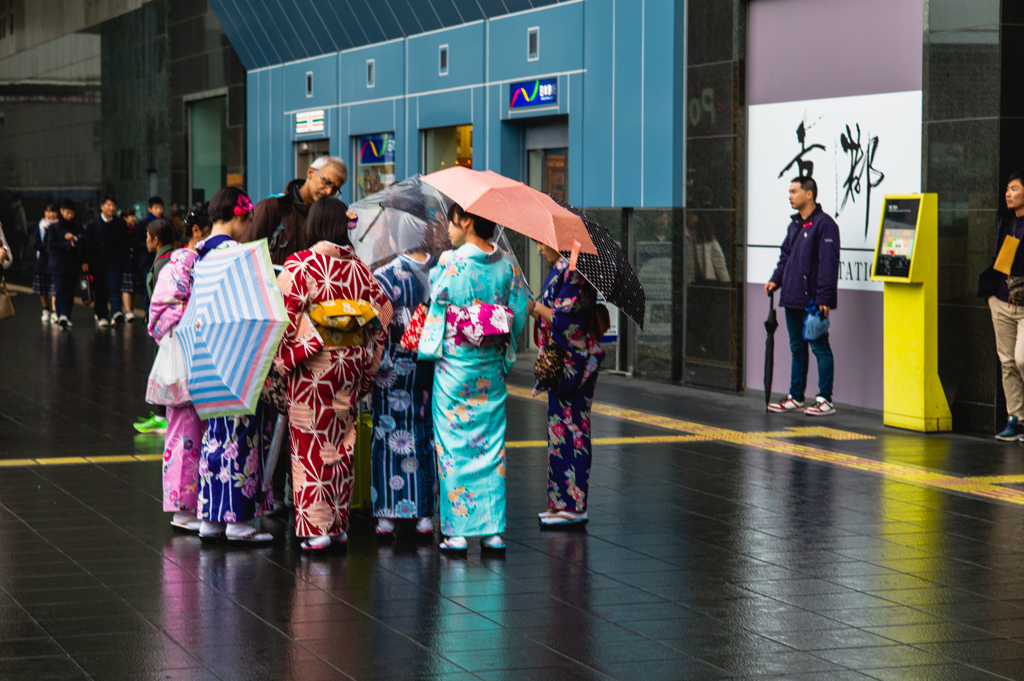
x=896, y=245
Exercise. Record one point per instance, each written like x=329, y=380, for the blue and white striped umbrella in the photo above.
x=231, y=328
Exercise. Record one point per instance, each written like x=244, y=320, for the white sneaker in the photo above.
x=822, y=407
x=425, y=526
x=54, y=318
x=64, y=322
x=102, y=323
x=46, y=316
x=117, y=318
x=786, y=405
x=129, y=316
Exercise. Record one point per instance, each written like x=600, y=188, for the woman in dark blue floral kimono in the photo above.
x=568, y=315
x=402, y=472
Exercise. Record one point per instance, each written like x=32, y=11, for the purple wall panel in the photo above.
x=855, y=335
x=813, y=49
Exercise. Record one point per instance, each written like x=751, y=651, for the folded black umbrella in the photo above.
x=770, y=325
x=609, y=271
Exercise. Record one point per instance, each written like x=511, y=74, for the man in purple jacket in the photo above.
x=807, y=273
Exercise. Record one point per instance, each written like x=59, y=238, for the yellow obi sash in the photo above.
x=342, y=323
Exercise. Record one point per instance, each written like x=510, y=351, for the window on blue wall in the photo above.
x=442, y=60
x=375, y=163
x=369, y=73
x=533, y=43
x=309, y=83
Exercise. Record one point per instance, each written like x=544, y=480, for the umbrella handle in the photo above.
x=372, y=223
x=771, y=300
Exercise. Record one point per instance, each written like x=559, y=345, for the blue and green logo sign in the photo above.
x=531, y=93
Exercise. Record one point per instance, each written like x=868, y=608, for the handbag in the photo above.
x=168, y=379
x=549, y=367
x=6, y=306
x=411, y=338
x=1016, y=287
x=85, y=288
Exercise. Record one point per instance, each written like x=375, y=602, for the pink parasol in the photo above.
x=514, y=205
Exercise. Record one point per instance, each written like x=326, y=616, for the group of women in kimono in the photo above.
x=438, y=400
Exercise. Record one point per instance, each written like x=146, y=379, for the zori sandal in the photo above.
x=454, y=545
x=254, y=537
x=563, y=518
x=493, y=543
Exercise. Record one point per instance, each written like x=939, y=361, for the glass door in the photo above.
x=207, y=147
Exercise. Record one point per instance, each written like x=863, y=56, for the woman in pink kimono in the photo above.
x=330, y=355
x=184, y=427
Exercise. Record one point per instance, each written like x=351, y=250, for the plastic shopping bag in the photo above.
x=815, y=326
x=168, y=379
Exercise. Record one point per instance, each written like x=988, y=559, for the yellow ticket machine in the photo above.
x=906, y=259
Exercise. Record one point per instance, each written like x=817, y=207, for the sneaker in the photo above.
x=154, y=424
x=117, y=319
x=1012, y=431
x=787, y=405
x=54, y=318
x=46, y=316
x=129, y=316
x=64, y=322
x=102, y=323
x=822, y=407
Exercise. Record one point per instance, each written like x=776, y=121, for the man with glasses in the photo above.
x=282, y=219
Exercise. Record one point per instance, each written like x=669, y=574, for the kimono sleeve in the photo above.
x=518, y=300
x=376, y=338
x=170, y=296
x=570, y=316
x=301, y=340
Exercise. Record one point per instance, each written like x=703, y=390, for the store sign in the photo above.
x=377, y=148
x=309, y=121
x=858, y=149
x=532, y=93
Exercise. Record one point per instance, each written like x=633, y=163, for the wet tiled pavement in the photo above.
x=723, y=543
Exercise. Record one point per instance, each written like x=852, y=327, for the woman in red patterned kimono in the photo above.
x=330, y=355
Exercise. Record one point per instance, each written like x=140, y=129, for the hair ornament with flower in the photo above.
x=353, y=219
x=244, y=205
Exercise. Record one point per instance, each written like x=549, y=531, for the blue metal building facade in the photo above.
x=619, y=69
x=619, y=64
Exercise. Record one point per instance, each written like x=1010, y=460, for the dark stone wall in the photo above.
x=203, y=62
x=971, y=143
x=154, y=61
x=716, y=191
x=136, y=121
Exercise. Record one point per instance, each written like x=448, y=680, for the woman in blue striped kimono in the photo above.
x=478, y=306
x=402, y=472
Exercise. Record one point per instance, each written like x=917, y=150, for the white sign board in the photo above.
x=857, y=149
x=309, y=121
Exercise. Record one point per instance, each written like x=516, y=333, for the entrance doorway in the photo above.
x=447, y=147
x=207, y=123
x=308, y=151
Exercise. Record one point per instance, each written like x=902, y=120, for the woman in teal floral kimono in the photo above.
x=478, y=307
x=569, y=316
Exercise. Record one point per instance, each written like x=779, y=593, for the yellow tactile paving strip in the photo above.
x=989, y=487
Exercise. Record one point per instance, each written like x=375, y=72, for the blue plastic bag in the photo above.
x=815, y=326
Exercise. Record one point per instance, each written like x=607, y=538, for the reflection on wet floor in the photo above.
x=723, y=543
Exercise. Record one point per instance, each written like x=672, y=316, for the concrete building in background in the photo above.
x=133, y=97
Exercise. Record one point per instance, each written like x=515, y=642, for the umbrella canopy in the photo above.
x=512, y=204
x=231, y=328
x=609, y=271
x=770, y=325
x=407, y=216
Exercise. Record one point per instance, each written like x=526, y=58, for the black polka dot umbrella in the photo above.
x=609, y=271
